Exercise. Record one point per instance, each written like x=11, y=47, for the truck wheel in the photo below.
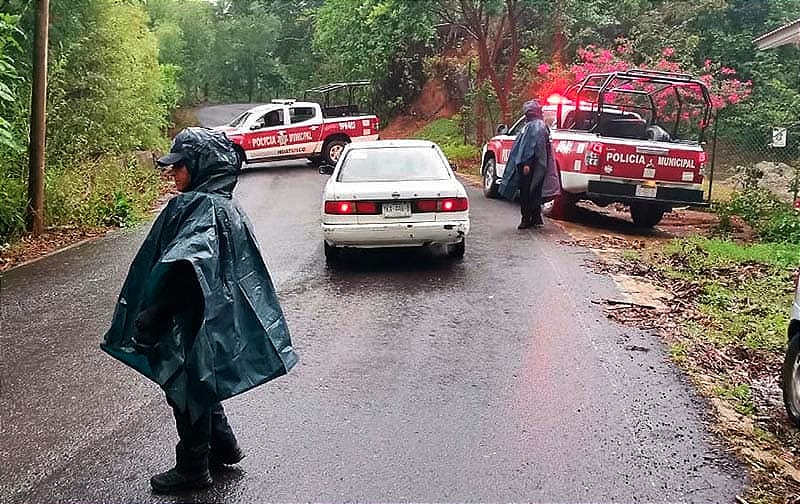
x=790, y=375
x=456, y=250
x=563, y=206
x=332, y=150
x=490, y=186
x=646, y=215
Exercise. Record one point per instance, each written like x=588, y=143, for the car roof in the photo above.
x=378, y=144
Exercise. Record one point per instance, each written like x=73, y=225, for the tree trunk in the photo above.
x=36, y=149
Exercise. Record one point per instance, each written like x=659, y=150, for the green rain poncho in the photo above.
x=243, y=340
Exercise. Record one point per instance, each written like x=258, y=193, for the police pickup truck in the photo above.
x=289, y=129
x=634, y=137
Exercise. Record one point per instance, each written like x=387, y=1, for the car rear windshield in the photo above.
x=393, y=164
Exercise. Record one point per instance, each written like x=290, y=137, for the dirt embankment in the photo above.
x=433, y=103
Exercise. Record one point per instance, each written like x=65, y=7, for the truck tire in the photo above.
x=790, y=373
x=333, y=149
x=489, y=172
x=646, y=215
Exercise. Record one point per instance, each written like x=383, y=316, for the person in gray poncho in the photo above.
x=529, y=164
x=198, y=313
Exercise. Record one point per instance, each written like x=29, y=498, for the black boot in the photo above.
x=224, y=447
x=173, y=481
x=525, y=224
x=219, y=457
x=537, y=221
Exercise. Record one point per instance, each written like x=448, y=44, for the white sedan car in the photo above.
x=394, y=193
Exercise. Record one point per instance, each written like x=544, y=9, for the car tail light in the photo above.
x=340, y=207
x=453, y=205
x=441, y=205
x=425, y=206
x=352, y=207
x=366, y=207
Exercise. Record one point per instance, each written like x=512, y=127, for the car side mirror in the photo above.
x=255, y=127
x=502, y=129
x=326, y=169
x=453, y=166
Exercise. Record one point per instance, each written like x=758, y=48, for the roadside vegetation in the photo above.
x=449, y=135
x=726, y=323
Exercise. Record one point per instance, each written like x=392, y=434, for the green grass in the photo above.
x=739, y=395
x=745, y=290
x=450, y=137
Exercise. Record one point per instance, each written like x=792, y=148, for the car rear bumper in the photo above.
x=406, y=234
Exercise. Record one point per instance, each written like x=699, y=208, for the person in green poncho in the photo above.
x=198, y=313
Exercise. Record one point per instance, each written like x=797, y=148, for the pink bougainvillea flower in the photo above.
x=543, y=68
x=667, y=52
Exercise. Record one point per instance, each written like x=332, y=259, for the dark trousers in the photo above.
x=530, y=194
x=209, y=434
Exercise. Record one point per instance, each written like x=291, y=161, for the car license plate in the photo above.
x=646, y=192
x=395, y=210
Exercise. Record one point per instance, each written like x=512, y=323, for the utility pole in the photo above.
x=34, y=219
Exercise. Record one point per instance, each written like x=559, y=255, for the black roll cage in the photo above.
x=325, y=92
x=614, y=82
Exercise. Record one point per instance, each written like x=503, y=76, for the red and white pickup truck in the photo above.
x=288, y=129
x=634, y=137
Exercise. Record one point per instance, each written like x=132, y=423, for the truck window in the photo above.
x=301, y=114
x=272, y=118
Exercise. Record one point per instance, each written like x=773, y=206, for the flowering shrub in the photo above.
x=724, y=88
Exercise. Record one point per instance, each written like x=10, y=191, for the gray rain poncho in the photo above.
x=532, y=146
x=243, y=340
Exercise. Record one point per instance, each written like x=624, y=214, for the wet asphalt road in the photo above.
x=491, y=379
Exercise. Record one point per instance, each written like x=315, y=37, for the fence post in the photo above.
x=713, y=156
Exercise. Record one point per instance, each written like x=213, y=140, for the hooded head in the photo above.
x=210, y=158
x=532, y=110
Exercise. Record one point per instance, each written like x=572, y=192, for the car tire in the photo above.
x=331, y=253
x=646, y=215
x=456, y=250
x=790, y=374
x=563, y=206
x=332, y=150
x=489, y=172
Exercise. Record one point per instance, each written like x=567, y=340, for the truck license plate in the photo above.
x=646, y=192
x=395, y=210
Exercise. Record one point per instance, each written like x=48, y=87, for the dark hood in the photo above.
x=210, y=158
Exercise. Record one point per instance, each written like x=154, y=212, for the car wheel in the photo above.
x=645, y=215
x=456, y=250
x=789, y=377
x=562, y=207
x=490, y=186
x=331, y=253
x=333, y=150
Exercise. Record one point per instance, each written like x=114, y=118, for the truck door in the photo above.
x=263, y=136
x=305, y=129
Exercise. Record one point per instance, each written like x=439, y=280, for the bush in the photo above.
x=106, y=192
x=450, y=137
x=772, y=219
